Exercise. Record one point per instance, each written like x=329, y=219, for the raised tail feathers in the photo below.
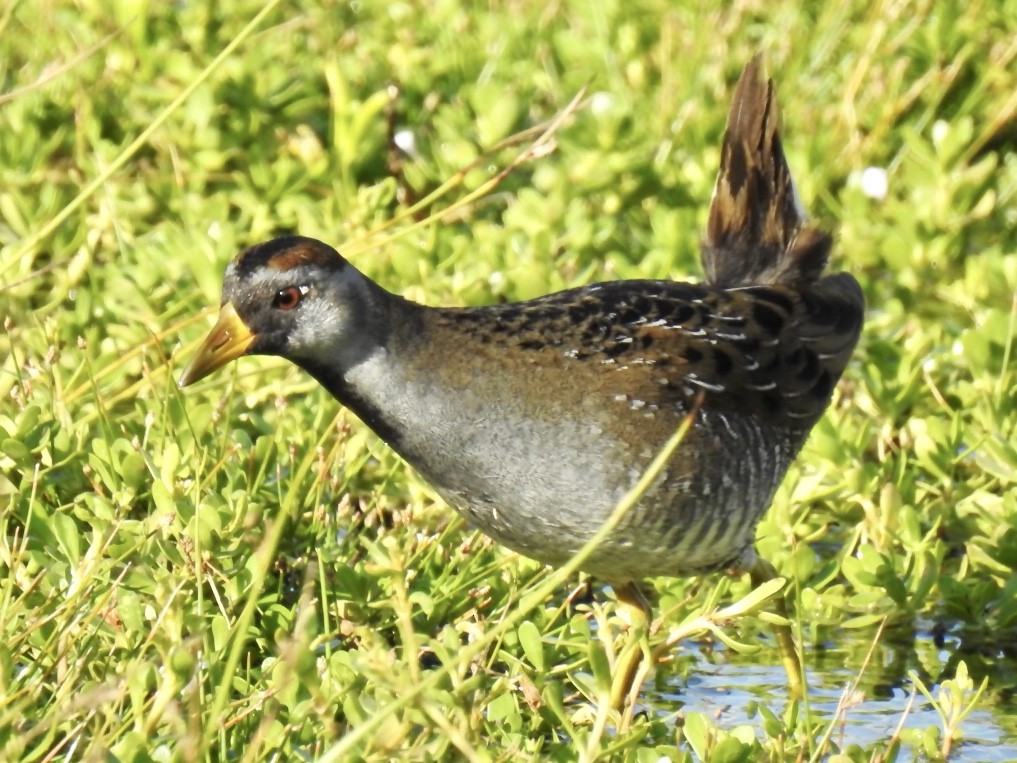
x=757, y=232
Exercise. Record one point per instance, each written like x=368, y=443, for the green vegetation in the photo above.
x=245, y=571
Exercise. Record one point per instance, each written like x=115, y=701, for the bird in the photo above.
x=534, y=418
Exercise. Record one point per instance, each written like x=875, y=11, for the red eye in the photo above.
x=288, y=298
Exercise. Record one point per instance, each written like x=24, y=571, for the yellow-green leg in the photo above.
x=633, y=662
x=761, y=572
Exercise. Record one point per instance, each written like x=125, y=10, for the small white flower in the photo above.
x=601, y=103
x=875, y=183
x=406, y=142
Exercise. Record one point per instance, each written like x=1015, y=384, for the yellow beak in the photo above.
x=227, y=341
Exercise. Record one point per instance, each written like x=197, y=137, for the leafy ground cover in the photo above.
x=245, y=571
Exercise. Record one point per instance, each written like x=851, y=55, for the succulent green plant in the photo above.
x=236, y=572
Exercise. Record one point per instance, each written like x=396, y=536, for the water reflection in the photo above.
x=724, y=685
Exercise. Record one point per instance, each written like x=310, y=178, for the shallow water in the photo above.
x=725, y=688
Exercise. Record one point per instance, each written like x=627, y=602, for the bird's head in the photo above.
x=294, y=297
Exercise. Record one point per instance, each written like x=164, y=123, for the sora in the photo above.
x=533, y=419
